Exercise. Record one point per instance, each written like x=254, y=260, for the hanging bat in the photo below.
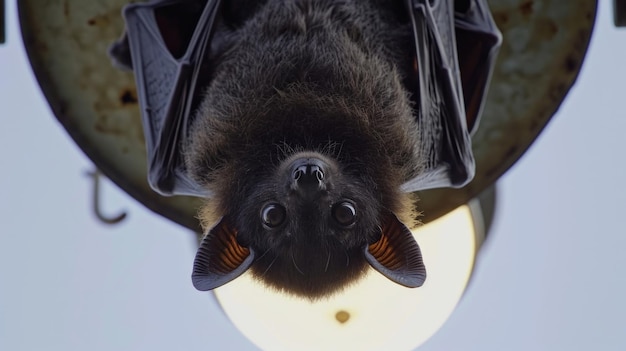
x=307, y=124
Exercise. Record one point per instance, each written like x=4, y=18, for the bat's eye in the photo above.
x=344, y=213
x=273, y=215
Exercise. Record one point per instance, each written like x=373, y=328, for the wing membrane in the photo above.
x=167, y=86
x=441, y=107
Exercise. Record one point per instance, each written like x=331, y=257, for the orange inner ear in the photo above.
x=385, y=254
x=231, y=254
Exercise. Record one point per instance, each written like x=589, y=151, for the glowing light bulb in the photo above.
x=374, y=313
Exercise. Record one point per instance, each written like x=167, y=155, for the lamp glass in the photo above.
x=374, y=313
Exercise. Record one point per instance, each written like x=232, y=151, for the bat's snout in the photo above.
x=308, y=176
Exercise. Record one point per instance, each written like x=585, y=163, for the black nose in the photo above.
x=308, y=175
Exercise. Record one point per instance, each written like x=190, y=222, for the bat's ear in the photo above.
x=396, y=254
x=220, y=258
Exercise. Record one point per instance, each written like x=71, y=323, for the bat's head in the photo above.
x=309, y=226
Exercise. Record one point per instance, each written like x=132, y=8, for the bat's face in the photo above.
x=309, y=224
x=308, y=227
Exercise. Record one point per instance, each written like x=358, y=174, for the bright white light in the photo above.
x=381, y=315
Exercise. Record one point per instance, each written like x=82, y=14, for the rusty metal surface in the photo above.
x=544, y=45
x=67, y=45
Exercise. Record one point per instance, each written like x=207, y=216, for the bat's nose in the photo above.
x=308, y=176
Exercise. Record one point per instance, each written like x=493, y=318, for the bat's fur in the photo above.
x=320, y=76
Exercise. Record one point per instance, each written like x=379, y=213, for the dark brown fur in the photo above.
x=307, y=76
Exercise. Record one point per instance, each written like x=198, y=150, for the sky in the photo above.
x=550, y=277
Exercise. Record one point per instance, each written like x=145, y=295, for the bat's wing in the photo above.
x=449, y=98
x=477, y=42
x=168, y=40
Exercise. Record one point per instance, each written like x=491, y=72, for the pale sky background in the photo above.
x=551, y=277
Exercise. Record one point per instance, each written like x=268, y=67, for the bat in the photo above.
x=308, y=125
